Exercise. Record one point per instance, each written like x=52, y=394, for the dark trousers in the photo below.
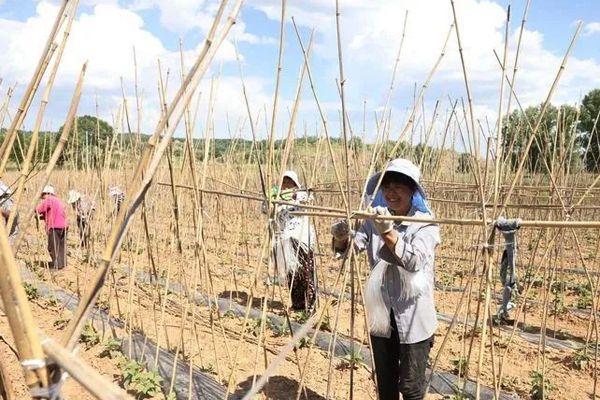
x=84, y=232
x=400, y=368
x=302, y=283
x=57, y=247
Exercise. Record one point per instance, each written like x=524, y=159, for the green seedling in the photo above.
x=89, y=336
x=31, y=291
x=279, y=330
x=112, y=348
x=540, y=386
x=351, y=360
x=138, y=381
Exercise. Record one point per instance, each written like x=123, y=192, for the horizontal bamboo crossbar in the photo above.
x=87, y=376
x=338, y=213
x=451, y=221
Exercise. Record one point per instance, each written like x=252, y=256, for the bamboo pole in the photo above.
x=91, y=380
x=31, y=89
x=27, y=163
x=136, y=195
x=62, y=141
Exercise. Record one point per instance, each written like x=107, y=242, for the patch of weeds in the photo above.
x=89, y=336
x=304, y=342
x=351, y=360
x=301, y=316
x=31, y=291
x=540, y=386
x=474, y=331
x=509, y=383
x=581, y=359
x=138, y=381
x=209, y=369
x=459, y=395
x=326, y=324
x=229, y=314
x=460, y=365
x=582, y=289
x=52, y=301
x=112, y=349
x=558, y=306
x=584, y=300
x=253, y=327
x=60, y=323
x=103, y=304
x=279, y=329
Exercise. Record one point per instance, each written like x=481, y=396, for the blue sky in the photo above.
x=106, y=31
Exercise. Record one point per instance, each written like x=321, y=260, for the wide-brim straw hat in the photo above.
x=48, y=189
x=293, y=176
x=73, y=196
x=402, y=166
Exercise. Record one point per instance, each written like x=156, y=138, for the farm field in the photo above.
x=176, y=289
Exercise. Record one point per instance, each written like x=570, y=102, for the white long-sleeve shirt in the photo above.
x=415, y=250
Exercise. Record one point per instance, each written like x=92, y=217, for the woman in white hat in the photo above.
x=52, y=211
x=6, y=207
x=293, y=245
x=84, y=208
x=399, y=293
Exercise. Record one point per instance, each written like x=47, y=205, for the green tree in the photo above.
x=555, y=137
x=588, y=126
x=88, y=142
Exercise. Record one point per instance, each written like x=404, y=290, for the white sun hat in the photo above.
x=114, y=191
x=73, y=196
x=4, y=189
x=402, y=166
x=293, y=176
x=48, y=189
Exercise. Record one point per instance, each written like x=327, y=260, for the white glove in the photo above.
x=382, y=226
x=340, y=231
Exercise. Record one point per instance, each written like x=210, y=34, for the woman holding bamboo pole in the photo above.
x=293, y=247
x=399, y=292
x=52, y=211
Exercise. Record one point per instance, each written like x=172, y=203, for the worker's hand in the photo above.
x=340, y=231
x=382, y=226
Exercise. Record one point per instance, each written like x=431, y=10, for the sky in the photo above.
x=106, y=32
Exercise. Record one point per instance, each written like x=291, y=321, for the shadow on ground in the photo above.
x=278, y=388
x=241, y=298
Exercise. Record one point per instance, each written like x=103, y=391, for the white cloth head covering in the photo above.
x=402, y=166
x=114, y=191
x=73, y=196
x=48, y=189
x=293, y=176
x=4, y=189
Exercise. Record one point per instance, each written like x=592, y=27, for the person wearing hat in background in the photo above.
x=6, y=207
x=293, y=245
x=52, y=211
x=84, y=208
x=399, y=292
x=118, y=197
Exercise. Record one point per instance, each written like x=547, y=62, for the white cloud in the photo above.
x=371, y=32
x=591, y=28
x=105, y=36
